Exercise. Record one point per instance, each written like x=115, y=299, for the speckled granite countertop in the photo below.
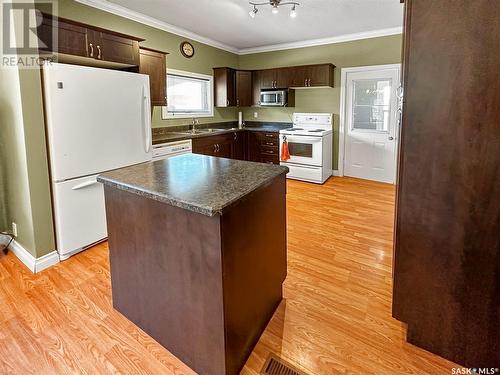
x=199, y=183
x=164, y=135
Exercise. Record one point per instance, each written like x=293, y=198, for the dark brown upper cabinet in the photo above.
x=76, y=39
x=321, y=75
x=232, y=88
x=154, y=64
x=243, y=88
x=72, y=39
x=118, y=49
x=273, y=78
x=224, y=87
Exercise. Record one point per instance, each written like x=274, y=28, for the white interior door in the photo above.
x=371, y=123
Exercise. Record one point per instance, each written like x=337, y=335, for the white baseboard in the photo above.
x=335, y=172
x=34, y=264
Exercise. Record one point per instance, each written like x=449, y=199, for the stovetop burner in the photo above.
x=316, y=131
x=294, y=129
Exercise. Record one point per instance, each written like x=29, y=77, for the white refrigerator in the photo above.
x=97, y=120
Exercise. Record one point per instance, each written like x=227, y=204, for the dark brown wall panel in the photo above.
x=447, y=242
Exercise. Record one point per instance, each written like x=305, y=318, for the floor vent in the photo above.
x=276, y=366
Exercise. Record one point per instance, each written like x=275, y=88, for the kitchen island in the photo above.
x=198, y=254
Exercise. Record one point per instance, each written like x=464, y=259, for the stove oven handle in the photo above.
x=299, y=138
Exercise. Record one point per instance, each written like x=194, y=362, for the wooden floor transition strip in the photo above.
x=277, y=366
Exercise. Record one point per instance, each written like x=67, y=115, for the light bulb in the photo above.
x=275, y=9
x=293, y=12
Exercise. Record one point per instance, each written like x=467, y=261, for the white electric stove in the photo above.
x=310, y=146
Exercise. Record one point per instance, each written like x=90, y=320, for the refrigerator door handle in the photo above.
x=85, y=184
x=145, y=118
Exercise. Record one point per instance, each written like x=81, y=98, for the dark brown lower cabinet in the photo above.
x=220, y=145
x=263, y=147
x=239, y=146
x=259, y=146
x=447, y=233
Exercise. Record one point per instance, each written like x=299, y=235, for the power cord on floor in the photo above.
x=6, y=248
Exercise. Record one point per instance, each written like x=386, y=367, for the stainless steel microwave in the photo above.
x=275, y=98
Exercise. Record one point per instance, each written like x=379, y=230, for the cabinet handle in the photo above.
x=91, y=50
x=215, y=148
x=269, y=143
x=238, y=102
x=218, y=147
x=235, y=136
x=269, y=135
x=99, y=52
x=227, y=103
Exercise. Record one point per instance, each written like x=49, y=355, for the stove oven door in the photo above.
x=303, y=149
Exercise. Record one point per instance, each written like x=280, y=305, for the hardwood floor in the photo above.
x=335, y=319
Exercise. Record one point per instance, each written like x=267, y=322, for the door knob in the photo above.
x=391, y=138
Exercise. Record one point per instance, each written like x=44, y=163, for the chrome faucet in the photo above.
x=194, y=122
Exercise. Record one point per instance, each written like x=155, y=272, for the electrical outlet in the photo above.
x=14, y=229
x=255, y=115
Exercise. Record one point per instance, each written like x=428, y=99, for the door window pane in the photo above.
x=304, y=150
x=371, y=104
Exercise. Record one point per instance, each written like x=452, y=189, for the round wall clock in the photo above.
x=187, y=49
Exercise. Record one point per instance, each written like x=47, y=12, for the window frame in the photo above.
x=169, y=116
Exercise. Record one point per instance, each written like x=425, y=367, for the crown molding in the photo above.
x=323, y=41
x=153, y=22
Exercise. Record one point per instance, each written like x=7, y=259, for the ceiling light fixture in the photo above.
x=275, y=4
x=253, y=12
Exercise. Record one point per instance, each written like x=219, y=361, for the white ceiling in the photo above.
x=226, y=23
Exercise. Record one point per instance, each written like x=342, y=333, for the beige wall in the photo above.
x=23, y=160
x=375, y=51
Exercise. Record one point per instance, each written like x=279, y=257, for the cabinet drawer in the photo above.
x=266, y=150
x=270, y=159
x=267, y=137
x=269, y=142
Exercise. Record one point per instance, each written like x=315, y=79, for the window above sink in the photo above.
x=190, y=95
